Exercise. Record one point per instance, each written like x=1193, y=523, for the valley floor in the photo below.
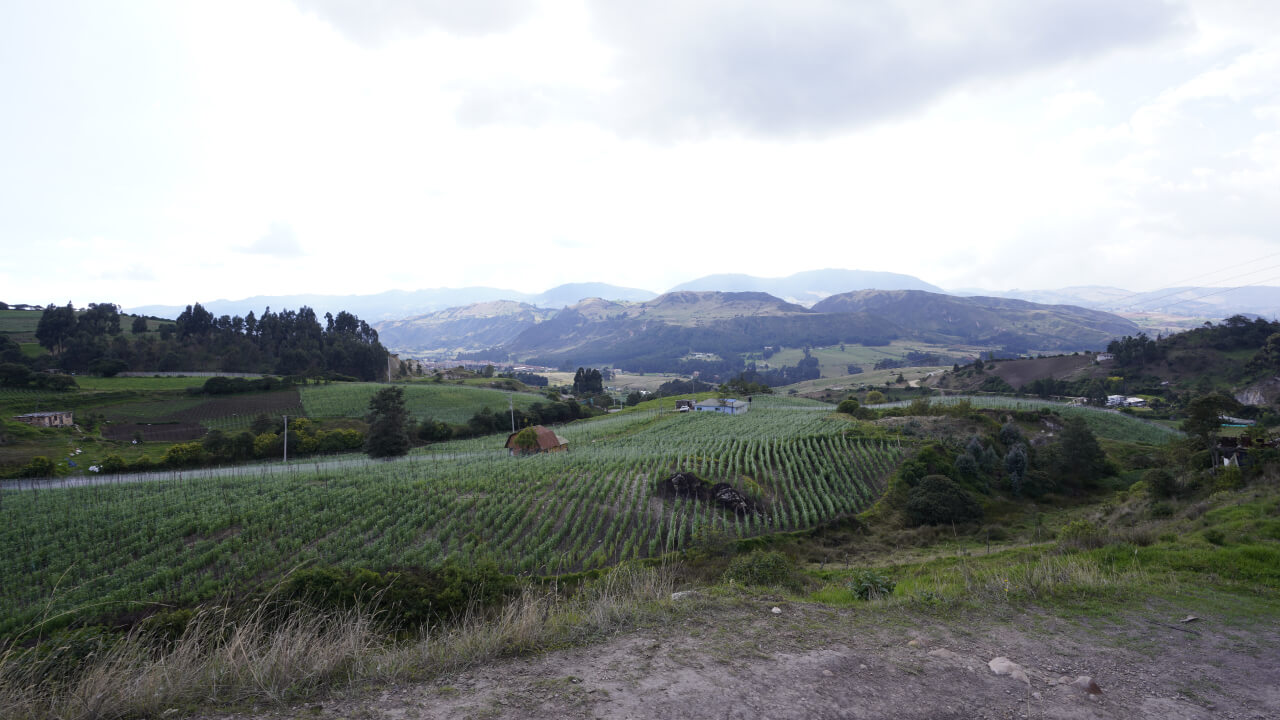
x=733, y=657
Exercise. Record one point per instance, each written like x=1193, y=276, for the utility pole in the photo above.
x=286, y=438
x=511, y=404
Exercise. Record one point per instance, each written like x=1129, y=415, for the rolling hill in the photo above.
x=663, y=334
x=467, y=328
x=1015, y=325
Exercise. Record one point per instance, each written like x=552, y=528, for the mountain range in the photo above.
x=664, y=333
x=804, y=288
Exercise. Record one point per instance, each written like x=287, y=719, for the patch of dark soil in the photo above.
x=155, y=432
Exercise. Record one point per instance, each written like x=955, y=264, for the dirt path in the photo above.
x=815, y=662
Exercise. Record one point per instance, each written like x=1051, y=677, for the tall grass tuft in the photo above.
x=273, y=657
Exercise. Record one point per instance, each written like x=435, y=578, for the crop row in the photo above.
x=180, y=541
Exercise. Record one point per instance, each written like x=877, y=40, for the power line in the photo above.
x=1179, y=283
x=1158, y=298
x=1224, y=290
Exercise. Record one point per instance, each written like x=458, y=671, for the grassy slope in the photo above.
x=445, y=402
x=834, y=362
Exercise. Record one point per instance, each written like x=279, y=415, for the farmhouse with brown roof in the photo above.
x=546, y=440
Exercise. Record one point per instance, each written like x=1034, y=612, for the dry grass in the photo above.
x=217, y=659
x=220, y=660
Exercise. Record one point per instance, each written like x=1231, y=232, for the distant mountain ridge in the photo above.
x=462, y=329
x=810, y=286
x=803, y=288
x=401, y=304
x=1189, y=301
x=663, y=333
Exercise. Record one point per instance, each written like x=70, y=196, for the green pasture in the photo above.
x=19, y=321
x=90, y=382
x=441, y=401
x=834, y=361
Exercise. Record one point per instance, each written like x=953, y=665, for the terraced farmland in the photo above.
x=112, y=547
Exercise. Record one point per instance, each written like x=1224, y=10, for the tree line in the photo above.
x=285, y=343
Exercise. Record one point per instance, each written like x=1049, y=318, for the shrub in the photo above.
x=1228, y=479
x=113, y=464
x=760, y=568
x=410, y=599
x=1160, y=483
x=39, y=466
x=937, y=499
x=184, y=455
x=870, y=585
x=849, y=406
x=1080, y=534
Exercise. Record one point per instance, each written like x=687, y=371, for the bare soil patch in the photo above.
x=809, y=661
x=1065, y=367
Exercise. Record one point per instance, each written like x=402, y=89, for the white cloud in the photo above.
x=1033, y=145
x=279, y=241
x=1070, y=102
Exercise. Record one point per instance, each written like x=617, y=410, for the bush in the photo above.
x=1080, y=534
x=1160, y=483
x=410, y=599
x=39, y=467
x=760, y=568
x=184, y=455
x=937, y=499
x=113, y=464
x=849, y=407
x=870, y=585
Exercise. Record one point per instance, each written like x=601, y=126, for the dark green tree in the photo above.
x=56, y=325
x=1015, y=466
x=139, y=325
x=1204, y=416
x=937, y=499
x=1081, y=459
x=388, y=424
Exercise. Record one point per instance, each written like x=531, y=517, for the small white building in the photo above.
x=726, y=406
x=1122, y=401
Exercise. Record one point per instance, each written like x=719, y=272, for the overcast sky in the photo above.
x=172, y=152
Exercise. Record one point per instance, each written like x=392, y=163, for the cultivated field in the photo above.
x=103, y=550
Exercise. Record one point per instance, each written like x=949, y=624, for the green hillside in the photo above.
x=441, y=402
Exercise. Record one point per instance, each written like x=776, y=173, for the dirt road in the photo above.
x=810, y=661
